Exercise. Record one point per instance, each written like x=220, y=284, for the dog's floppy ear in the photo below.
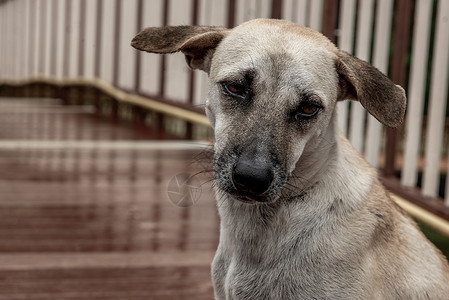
x=361, y=81
x=196, y=42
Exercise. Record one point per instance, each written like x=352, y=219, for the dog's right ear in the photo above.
x=196, y=42
x=361, y=81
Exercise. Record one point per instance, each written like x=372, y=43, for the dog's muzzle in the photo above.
x=252, y=179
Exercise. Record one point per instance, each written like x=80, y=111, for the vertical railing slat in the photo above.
x=89, y=42
x=384, y=14
x=20, y=37
x=41, y=34
x=247, y=10
x=107, y=41
x=9, y=38
x=13, y=39
x=37, y=40
x=416, y=92
x=150, y=64
x=316, y=14
x=32, y=37
x=60, y=22
x=48, y=37
x=177, y=72
x=437, y=106
x=287, y=10
x=345, y=42
x=74, y=37
x=127, y=60
x=265, y=9
x=301, y=12
x=2, y=45
x=362, y=51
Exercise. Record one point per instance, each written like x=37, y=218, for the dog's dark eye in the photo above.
x=306, y=110
x=235, y=89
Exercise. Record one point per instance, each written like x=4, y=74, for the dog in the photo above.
x=303, y=216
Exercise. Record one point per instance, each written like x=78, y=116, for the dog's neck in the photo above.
x=317, y=159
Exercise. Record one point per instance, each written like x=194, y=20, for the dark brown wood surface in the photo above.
x=80, y=221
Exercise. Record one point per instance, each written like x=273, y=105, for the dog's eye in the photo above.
x=235, y=89
x=307, y=110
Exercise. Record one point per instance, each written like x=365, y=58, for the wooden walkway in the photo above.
x=85, y=213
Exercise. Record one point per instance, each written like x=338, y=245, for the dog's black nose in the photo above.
x=252, y=178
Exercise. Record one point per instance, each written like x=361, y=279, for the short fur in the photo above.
x=325, y=228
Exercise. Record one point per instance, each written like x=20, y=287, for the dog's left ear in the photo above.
x=361, y=81
x=196, y=42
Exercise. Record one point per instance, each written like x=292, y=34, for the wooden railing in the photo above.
x=66, y=43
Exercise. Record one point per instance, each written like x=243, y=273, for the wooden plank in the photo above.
x=127, y=59
x=384, y=17
x=345, y=42
x=416, y=92
x=362, y=51
x=437, y=109
x=89, y=38
x=150, y=63
x=177, y=75
x=107, y=41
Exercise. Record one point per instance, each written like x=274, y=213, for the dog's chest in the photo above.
x=276, y=259
x=286, y=278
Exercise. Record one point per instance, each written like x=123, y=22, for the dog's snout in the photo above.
x=249, y=177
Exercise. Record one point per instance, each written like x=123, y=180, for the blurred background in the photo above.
x=93, y=133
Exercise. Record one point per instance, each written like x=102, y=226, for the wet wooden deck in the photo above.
x=85, y=214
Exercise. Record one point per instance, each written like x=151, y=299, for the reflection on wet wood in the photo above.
x=87, y=222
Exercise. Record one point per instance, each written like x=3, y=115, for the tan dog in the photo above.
x=303, y=216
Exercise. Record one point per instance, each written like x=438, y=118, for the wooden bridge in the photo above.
x=85, y=212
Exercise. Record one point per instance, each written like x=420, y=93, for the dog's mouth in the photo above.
x=251, y=198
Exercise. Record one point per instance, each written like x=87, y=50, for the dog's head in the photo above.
x=272, y=95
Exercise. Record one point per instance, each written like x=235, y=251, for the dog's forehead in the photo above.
x=260, y=44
